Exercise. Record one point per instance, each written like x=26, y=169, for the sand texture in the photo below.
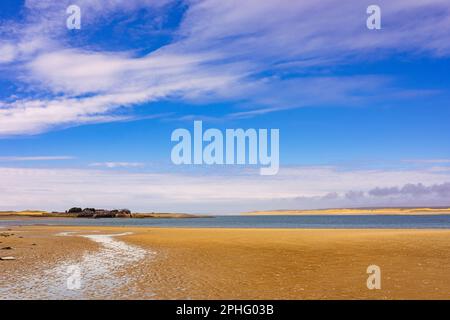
x=202, y=263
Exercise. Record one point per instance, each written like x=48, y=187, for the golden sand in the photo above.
x=26, y=213
x=258, y=263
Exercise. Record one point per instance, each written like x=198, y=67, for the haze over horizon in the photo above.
x=86, y=115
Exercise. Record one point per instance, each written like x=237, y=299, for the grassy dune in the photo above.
x=25, y=213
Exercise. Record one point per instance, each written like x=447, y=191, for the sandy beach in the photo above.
x=354, y=211
x=206, y=263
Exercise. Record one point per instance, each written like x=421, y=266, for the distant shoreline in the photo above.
x=45, y=214
x=282, y=212
x=357, y=211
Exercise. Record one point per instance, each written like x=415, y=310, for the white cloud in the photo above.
x=7, y=52
x=117, y=164
x=80, y=72
x=35, y=158
x=219, y=51
x=209, y=191
x=427, y=161
x=307, y=30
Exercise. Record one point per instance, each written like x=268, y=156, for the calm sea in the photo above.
x=328, y=222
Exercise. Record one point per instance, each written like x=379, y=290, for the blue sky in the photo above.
x=86, y=115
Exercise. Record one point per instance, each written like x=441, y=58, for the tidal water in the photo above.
x=315, y=222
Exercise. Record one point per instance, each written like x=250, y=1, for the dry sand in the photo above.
x=246, y=263
x=26, y=213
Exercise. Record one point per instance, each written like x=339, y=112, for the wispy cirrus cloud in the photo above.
x=35, y=158
x=7, y=52
x=237, y=51
x=112, y=165
x=427, y=161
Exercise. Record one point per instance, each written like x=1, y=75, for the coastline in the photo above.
x=45, y=214
x=355, y=211
x=205, y=263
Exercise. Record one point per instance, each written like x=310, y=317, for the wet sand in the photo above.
x=184, y=263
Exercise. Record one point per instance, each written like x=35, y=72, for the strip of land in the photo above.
x=190, y=263
x=356, y=211
x=45, y=214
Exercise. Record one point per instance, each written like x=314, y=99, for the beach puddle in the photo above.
x=105, y=273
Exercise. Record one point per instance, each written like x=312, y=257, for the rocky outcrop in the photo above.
x=100, y=213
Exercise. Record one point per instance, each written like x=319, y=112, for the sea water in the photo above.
x=275, y=221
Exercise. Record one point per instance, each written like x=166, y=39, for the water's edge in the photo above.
x=69, y=279
x=313, y=221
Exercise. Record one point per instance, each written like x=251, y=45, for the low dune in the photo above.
x=355, y=211
x=25, y=213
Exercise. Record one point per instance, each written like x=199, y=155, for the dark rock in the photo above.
x=7, y=248
x=101, y=213
x=75, y=210
x=125, y=211
x=86, y=213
